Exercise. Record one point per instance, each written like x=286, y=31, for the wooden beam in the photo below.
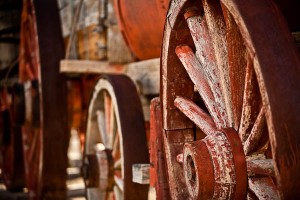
x=145, y=74
x=89, y=67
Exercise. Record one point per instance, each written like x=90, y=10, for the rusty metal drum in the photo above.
x=141, y=23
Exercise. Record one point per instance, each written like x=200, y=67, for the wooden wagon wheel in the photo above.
x=115, y=139
x=11, y=157
x=242, y=60
x=45, y=128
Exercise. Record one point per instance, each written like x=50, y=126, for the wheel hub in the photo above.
x=215, y=167
x=106, y=168
x=98, y=170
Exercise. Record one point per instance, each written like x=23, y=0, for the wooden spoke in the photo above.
x=196, y=114
x=119, y=183
x=102, y=126
x=109, y=113
x=256, y=133
x=114, y=130
x=205, y=54
x=237, y=61
x=34, y=146
x=117, y=164
x=112, y=126
x=250, y=102
x=116, y=147
x=197, y=75
x=264, y=167
x=117, y=193
x=217, y=31
x=263, y=188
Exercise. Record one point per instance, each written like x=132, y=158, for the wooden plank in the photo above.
x=89, y=67
x=144, y=73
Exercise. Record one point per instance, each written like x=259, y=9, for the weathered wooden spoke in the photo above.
x=218, y=34
x=263, y=167
x=196, y=114
x=116, y=147
x=118, y=164
x=114, y=125
x=220, y=54
x=102, y=126
x=256, y=133
x=205, y=55
x=119, y=182
x=198, y=76
x=263, y=188
x=250, y=103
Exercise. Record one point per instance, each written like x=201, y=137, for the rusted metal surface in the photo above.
x=240, y=58
x=45, y=114
x=114, y=124
x=138, y=19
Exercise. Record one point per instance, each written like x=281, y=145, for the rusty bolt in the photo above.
x=179, y=158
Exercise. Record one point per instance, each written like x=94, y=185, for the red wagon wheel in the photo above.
x=11, y=157
x=115, y=139
x=45, y=129
x=241, y=58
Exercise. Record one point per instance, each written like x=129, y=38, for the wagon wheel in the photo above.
x=11, y=157
x=242, y=60
x=115, y=140
x=44, y=129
